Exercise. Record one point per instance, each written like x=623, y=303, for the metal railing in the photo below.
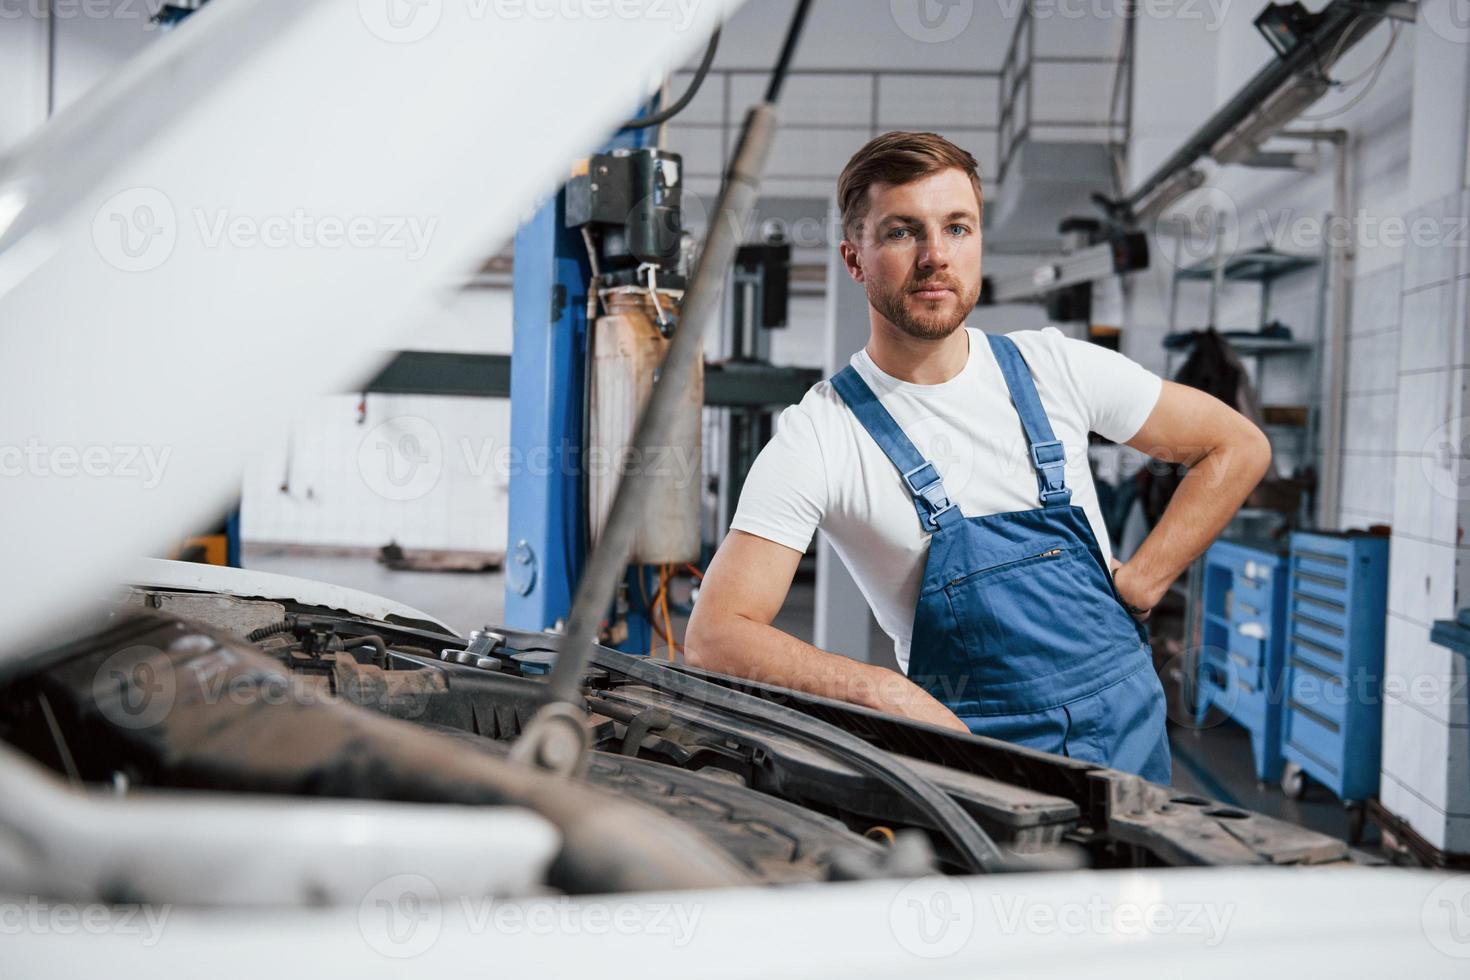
x=870, y=79
x=1013, y=122
x=1016, y=111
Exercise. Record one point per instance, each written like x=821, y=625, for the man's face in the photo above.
x=919, y=253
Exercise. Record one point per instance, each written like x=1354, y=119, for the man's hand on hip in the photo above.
x=1139, y=598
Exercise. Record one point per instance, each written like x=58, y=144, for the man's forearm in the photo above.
x=1206, y=500
x=759, y=652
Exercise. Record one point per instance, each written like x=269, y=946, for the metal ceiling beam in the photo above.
x=1343, y=23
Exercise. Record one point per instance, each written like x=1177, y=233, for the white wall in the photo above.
x=1405, y=458
x=91, y=39
x=1202, y=68
x=426, y=472
x=340, y=486
x=1426, y=731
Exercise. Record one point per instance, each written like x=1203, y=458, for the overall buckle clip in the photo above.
x=1050, y=460
x=924, y=483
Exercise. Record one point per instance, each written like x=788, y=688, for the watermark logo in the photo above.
x=37, y=917
x=1128, y=918
x=135, y=687
x=1450, y=19
x=952, y=455
x=401, y=917
x=402, y=458
x=1205, y=230
x=407, y=21
x=1445, y=459
x=1290, y=231
x=300, y=229
x=64, y=10
x=932, y=917
x=401, y=21
x=1446, y=917
x=932, y=21
x=136, y=230
x=1208, y=679
x=145, y=464
x=1212, y=12
x=676, y=922
x=682, y=12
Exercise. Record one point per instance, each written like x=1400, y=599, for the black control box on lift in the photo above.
x=633, y=199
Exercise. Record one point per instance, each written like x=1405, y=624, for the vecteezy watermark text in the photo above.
x=138, y=230
x=299, y=228
x=37, y=916
x=63, y=10
x=1099, y=916
x=402, y=458
x=403, y=916
x=35, y=458
x=407, y=21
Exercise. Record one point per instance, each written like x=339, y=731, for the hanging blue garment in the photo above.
x=1019, y=629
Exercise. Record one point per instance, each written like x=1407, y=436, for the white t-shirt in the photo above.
x=823, y=470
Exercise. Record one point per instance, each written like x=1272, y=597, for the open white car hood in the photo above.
x=136, y=330
x=244, y=583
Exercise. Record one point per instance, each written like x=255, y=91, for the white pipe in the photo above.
x=1344, y=258
x=219, y=849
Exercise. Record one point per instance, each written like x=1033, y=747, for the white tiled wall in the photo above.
x=1426, y=731
x=1371, y=396
x=1405, y=461
x=355, y=482
x=1268, y=207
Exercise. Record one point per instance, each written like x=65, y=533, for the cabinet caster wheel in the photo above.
x=1293, y=781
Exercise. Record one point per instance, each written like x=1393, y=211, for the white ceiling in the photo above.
x=825, y=118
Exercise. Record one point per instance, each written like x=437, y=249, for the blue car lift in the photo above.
x=548, y=382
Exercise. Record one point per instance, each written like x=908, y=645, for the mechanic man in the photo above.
x=948, y=468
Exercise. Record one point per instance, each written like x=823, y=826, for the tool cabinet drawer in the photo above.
x=1337, y=601
x=1242, y=644
x=1323, y=692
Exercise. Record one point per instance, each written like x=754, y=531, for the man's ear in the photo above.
x=851, y=260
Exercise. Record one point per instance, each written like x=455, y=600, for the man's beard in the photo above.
x=922, y=319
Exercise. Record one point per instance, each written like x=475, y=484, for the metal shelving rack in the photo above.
x=1263, y=266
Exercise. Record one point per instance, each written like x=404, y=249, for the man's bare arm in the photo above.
x=1227, y=456
x=731, y=632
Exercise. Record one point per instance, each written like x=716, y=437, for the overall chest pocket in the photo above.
x=1028, y=616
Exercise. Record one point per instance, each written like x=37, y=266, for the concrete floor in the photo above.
x=1214, y=762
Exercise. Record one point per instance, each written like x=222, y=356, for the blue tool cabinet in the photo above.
x=1333, y=719
x=1242, y=644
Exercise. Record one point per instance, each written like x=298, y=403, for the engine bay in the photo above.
x=694, y=779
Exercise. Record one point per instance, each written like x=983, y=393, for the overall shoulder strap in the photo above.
x=919, y=475
x=1047, y=454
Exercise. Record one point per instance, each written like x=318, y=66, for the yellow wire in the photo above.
x=668, y=620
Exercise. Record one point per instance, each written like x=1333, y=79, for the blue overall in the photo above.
x=1019, y=629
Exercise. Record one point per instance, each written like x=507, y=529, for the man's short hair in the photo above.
x=897, y=158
